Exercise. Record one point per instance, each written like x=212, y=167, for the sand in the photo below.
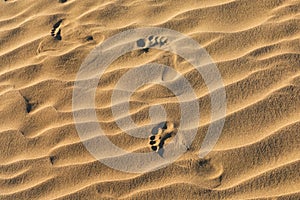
x=255, y=45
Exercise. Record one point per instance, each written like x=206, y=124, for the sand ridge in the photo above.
x=255, y=45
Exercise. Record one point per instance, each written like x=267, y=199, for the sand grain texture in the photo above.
x=255, y=45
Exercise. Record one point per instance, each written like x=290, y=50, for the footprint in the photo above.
x=56, y=30
x=28, y=105
x=157, y=141
x=52, y=159
x=141, y=43
x=151, y=41
x=203, y=171
x=157, y=40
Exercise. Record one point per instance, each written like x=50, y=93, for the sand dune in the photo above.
x=254, y=44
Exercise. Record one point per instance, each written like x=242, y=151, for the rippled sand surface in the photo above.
x=255, y=44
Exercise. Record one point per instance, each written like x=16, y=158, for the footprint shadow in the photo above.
x=56, y=30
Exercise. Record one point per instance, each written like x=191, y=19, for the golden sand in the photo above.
x=256, y=47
